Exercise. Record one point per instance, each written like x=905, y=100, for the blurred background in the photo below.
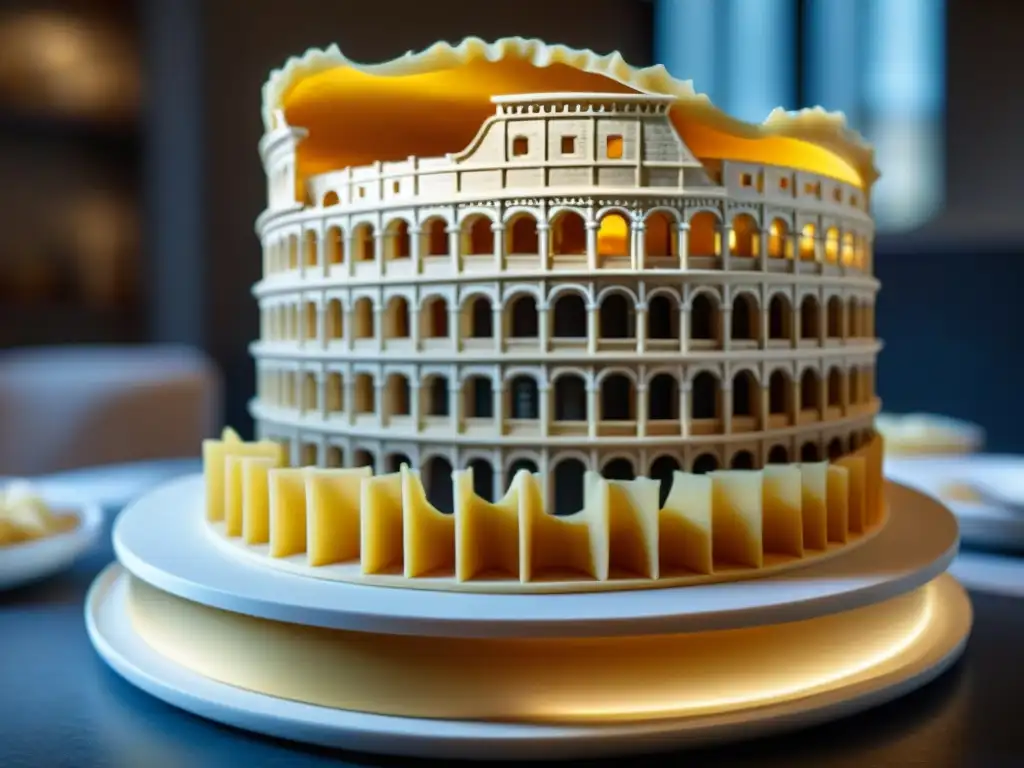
x=130, y=179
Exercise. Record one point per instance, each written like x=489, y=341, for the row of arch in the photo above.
x=565, y=470
x=616, y=318
x=618, y=235
x=615, y=398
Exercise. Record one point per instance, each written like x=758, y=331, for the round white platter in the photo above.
x=989, y=572
x=161, y=539
x=21, y=564
x=981, y=524
x=114, y=638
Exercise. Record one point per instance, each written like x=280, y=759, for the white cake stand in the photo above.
x=159, y=541
x=981, y=524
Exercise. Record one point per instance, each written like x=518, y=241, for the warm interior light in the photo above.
x=358, y=114
x=613, y=236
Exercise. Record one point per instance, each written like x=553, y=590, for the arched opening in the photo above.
x=524, y=317
x=524, y=398
x=703, y=238
x=398, y=245
x=663, y=398
x=477, y=236
x=521, y=235
x=778, y=455
x=835, y=388
x=809, y=386
x=334, y=393
x=481, y=318
x=662, y=469
x=617, y=401
x=662, y=317
x=704, y=396
x=744, y=236
x=809, y=318
x=613, y=236
x=834, y=316
x=660, y=239
x=335, y=320
x=396, y=318
x=570, y=321
x=570, y=398
x=394, y=461
x=363, y=319
x=483, y=478
x=808, y=236
x=742, y=460
x=309, y=392
x=330, y=199
x=853, y=320
x=435, y=389
x=363, y=458
x=809, y=452
x=779, y=318
x=435, y=235
x=744, y=317
x=703, y=318
x=618, y=469
x=309, y=243
x=847, y=250
x=516, y=467
x=365, y=394
x=568, y=234
x=397, y=395
x=706, y=462
x=334, y=242
x=362, y=242
x=617, y=317
x=434, y=318
x=779, y=243
x=745, y=394
x=437, y=482
x=832, y=245
x=479, y=397
x=335, y=457
x=835, y=449
x=779, y=392
x=568, y=477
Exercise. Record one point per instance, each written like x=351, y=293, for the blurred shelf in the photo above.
x=25, y=324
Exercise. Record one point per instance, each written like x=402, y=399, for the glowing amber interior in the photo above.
x=356, y=116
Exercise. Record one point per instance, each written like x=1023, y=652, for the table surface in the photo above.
x=61, y=706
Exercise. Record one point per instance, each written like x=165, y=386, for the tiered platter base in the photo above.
x=525, y=676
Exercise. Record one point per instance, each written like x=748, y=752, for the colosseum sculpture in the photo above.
x=573, y=290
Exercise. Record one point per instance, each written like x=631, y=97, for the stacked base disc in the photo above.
x=523, y=676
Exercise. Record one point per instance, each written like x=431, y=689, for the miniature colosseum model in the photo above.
x=602, y=275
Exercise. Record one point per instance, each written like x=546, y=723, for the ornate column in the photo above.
x=594, y=415
x=638, y=251
x=544, y=408
x=641, y=327
x=455, y=402
x=765, y=406
x=765, y=234
x=454, y=249
x=380, y=384
x=498, y=395
x=641, y=409
x=724, y=252
x=725, y=393
x=414, y=325
x=592, y=228
x=593, y=328
x=414, y=403
x=683, y=244
x=378, y=250
x=455, y=327
x=684, y=408
x=684, y=327
x=543, y=228
x=542, y=326
x=498, y=228
x=415, y=248
x=379, y=315
x=498, y=327
x=348, y=385
x=725, y=327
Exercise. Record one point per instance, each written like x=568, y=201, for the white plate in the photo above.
x=33, y=560
x=985, y=525
x=115, y=640
x=161, y=539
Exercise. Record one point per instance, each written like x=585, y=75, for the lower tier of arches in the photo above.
x=560, y=469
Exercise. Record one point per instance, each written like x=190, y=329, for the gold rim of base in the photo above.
x=550, y=681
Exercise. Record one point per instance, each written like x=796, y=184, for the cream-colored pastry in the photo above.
x=24, y=516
